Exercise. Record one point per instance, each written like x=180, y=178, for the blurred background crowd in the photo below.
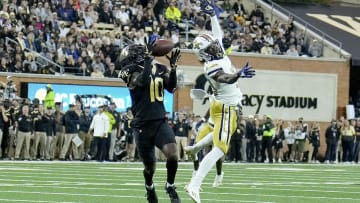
x=85, y=37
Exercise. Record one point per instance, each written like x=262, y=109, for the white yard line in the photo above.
x=37, y=201
x=58, y=186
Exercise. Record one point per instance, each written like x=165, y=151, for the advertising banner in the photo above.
x=66, y=94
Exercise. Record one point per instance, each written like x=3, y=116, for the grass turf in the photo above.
x=123, y=183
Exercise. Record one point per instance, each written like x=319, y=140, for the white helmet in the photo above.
x=207, y=47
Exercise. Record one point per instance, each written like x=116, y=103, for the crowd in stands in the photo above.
x=86, y=37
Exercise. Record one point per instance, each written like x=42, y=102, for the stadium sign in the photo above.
x=66, y=94
x=285, y=95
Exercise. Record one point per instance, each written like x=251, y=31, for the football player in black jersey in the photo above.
x=146, y=81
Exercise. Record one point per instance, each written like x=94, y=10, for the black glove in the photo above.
x=149, y=45
x=174, y=58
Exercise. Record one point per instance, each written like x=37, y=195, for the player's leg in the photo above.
x=146, y=149
x=193, y=151
x=225, y=124
x=165, y=140
x=203, y=139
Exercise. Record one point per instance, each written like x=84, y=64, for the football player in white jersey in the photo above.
x=227, y=96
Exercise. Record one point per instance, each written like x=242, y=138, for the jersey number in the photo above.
x=156, y=90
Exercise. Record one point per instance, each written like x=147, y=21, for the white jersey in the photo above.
x=229, y=94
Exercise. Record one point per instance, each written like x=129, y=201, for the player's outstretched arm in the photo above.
x=246, y=72
x=150, y=44
x=209, y=9
x=172, y=80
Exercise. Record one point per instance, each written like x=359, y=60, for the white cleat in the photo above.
x=193, y=193
x=218, y=180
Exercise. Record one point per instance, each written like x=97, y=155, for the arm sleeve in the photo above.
x=171, y=82
x=216, y=29
x=145, y=79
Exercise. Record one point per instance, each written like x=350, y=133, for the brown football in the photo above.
x=162, y=47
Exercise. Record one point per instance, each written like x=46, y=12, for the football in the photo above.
x=162, y=47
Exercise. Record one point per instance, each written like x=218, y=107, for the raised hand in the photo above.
x=149, y=45
x=207, y=7
x=246, y=72
x=174, y=58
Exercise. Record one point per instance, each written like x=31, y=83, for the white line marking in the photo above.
x=26, y=200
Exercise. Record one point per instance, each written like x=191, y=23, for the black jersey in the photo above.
x=148, y=99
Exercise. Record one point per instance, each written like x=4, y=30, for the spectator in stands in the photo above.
x=315, y=49
x=254, y=25
x=269, y=38
x=227, y=6
x=292, y=51
x=231, y=25
x=172, y=14
x=97, y=72
x=67, y=13
x=258, y=13
x=111, y=73
x=98, y=64
x=276, y=50
x=266, y=49
x=243, y=47
x=283, y=46
x=122, y=16
x=247, y=36
x=258, y=43
x=17, y=68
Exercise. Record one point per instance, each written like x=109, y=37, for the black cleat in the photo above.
x=151, y=195
x=174, y=197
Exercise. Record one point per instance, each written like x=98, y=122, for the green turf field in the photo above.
x=123, y=183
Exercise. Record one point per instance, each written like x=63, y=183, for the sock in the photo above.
x=219, y=167
x=205, y=166
x=169, y=185
x=171, y=166
x=150, y=187
x=196, y=165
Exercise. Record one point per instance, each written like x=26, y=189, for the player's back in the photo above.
x=229, y=94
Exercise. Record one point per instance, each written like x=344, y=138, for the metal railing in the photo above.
x=61, y=68
x=308, y=29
